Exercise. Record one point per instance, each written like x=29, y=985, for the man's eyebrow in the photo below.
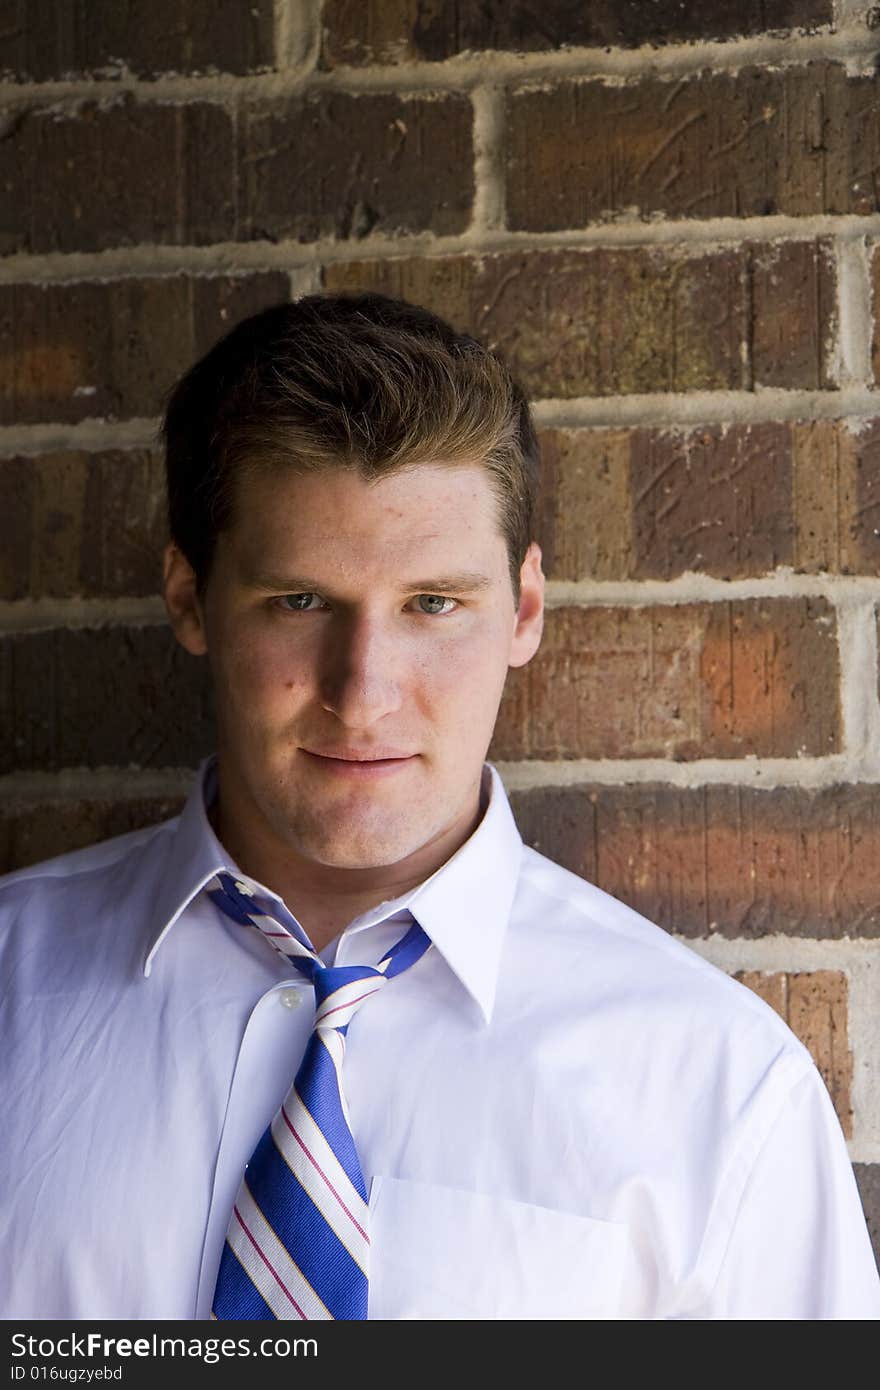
x=463, y=582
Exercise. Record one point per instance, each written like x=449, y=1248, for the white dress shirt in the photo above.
x=560, y=1111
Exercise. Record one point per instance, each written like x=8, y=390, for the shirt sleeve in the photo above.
x=799, y=1245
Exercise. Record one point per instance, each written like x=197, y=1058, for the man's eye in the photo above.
x=299, y=603
x=434, y=603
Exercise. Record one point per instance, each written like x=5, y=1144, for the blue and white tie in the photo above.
x=298, y=1241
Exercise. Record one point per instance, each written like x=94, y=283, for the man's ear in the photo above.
x=185, y=610
x=529, y=623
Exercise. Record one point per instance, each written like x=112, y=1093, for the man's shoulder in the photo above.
x=87, y=874
x=615, y=950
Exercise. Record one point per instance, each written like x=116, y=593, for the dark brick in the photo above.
x=722, y=680
x=815, y=1005
x=837, y=496
x=799, y=141
x=731, y=861
x=794, y=323
x=730, y=501
x=31, y=832
x=344, y=166
x=868, y=1179
x=652, y=503
x=93, y=697
x=606, y=322
x=112, y=349
x=45, y=39
x=390, y=31
x=875, y=304
x=87, y=177
x=80, y=524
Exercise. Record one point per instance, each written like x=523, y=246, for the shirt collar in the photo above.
x=464, y=906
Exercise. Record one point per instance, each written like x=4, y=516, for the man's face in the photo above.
x=359, y=636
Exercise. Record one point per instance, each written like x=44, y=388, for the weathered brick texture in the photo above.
x=392, y=31
x=735, y=861
x=95, y=697
x=875, y=305
x=814, y=1005
x=323, y=165
x=113, y=348
x=76, y=524
x=605, y=322
x=730, y=501
x=31, y=832
x=67, y=176
x=868, y=1179
x=42, y=40
x=759, y=141
x=720, y=680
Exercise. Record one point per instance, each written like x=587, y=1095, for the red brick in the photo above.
x=93, y=697
x=338, y=165
x=794, y=323
x=616, y=321
x=730, y=501
x=837, y=496
x=721, y=860
x=723, y=680
x=814, y=1004
x=68, y=176
x=45, y=39
x=391, y=31
x=799, y=141
x=112, y=349
x=81, y=524
x=654, y=503
x=32, y=831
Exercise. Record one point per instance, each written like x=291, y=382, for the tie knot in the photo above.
x=339, y=992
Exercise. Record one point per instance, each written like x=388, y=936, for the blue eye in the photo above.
x=434, y=603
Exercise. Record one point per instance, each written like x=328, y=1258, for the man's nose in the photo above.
x=360, y=679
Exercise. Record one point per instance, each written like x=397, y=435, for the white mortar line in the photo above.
x=659, y=409
x=306, y=280
x=489, y=176
x=857, y=641
x=682, y=239
x=93, y=784
x=692, y=587
x=90, y=436
x=297, y=36
x=761, y=774
x=855, y=327
x=853, y=44
x=860, y=962
x=45, y=614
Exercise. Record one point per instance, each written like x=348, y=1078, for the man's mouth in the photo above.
x=358, y=762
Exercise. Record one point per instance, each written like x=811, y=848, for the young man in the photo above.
x=516, y=1098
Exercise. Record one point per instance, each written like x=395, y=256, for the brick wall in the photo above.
x=665, y=214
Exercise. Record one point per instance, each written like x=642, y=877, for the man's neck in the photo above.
x=325, y=898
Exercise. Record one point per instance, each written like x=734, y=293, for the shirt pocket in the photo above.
x=443, y=1253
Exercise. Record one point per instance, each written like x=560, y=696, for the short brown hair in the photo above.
x=362, y=380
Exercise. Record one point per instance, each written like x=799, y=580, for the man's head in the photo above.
x=350, y=493
x=362, y=380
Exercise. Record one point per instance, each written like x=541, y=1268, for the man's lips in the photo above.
x=379, y=754
x=357, y=762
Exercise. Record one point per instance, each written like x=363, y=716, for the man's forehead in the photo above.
x=424, y=507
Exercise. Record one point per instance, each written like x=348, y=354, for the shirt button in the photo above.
x=290, y=998
x=243, y=888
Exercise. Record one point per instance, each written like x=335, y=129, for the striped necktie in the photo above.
x=298, y=1240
